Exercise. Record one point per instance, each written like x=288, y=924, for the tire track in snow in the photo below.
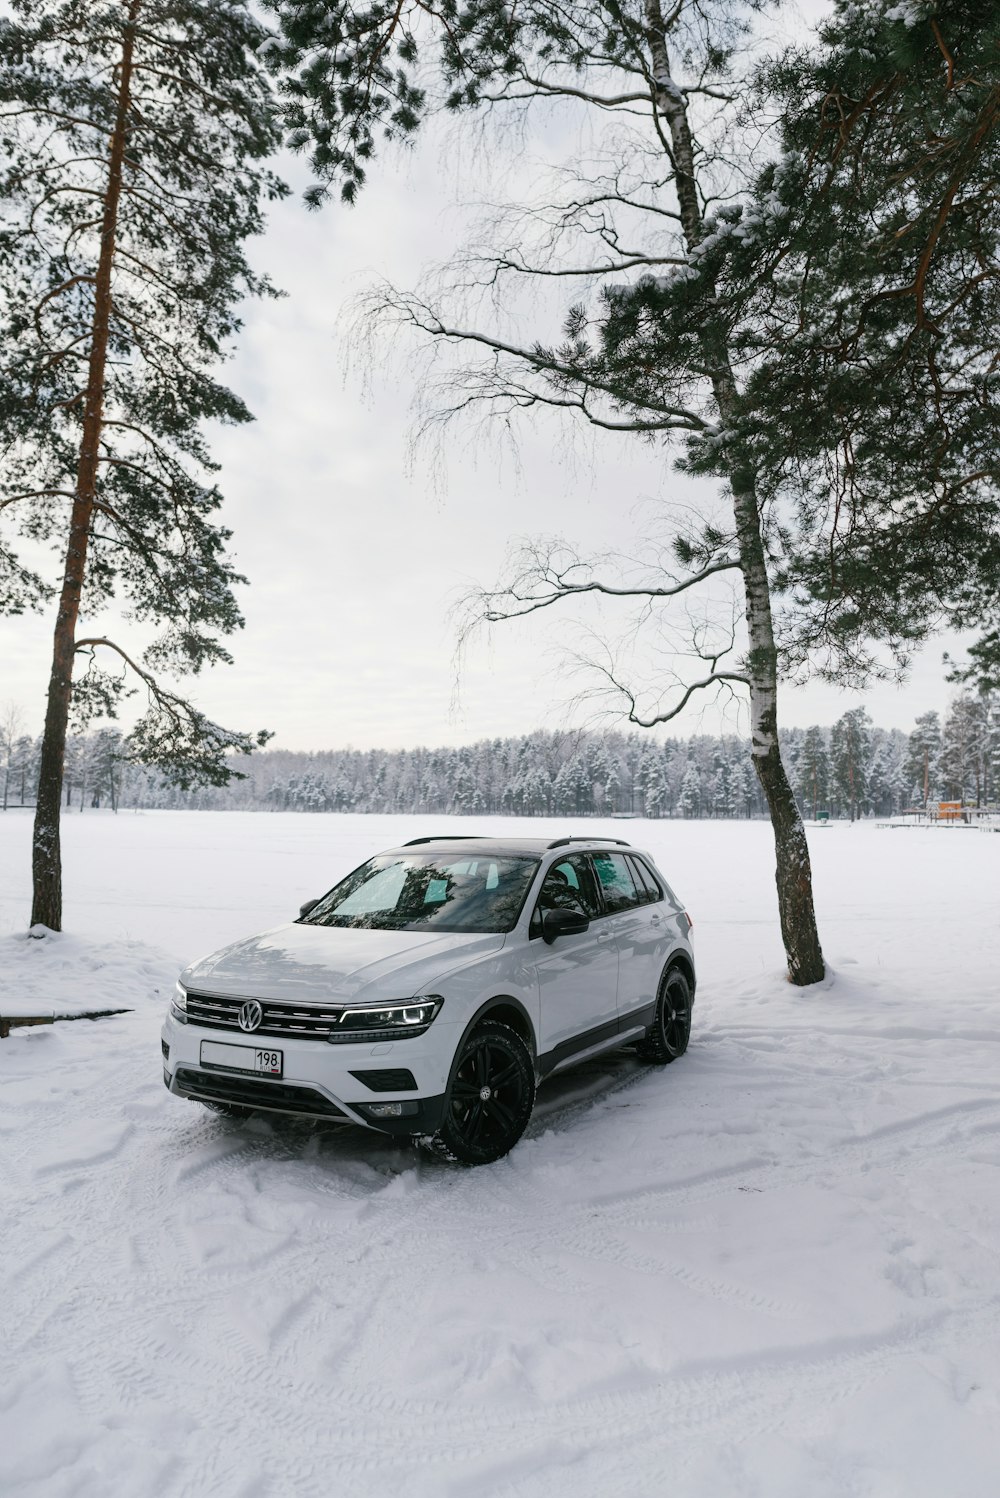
x=346, y=1225
x=854, y=1153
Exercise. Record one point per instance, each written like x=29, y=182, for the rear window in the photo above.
x=617, y=884
x=645, y=880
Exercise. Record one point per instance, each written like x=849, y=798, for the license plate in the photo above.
x=241, y=1058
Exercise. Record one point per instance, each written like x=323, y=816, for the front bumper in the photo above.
x=318, y=1078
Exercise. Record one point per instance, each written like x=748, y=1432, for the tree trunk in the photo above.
x=793, y=869
x=46, y=909
x=793, y=872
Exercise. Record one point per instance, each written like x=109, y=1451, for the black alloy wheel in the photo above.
x=671, y=1029
x=491, y=1095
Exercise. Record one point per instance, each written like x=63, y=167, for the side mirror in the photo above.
x=305, y=909
x=562, y=923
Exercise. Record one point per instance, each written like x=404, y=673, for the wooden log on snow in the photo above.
x=9, y=1018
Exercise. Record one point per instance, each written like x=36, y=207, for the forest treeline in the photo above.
x=852, y=769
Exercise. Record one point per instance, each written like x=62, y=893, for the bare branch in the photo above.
x=560, y=587
x=546, y=363
x=715, y=678
x=37, y=494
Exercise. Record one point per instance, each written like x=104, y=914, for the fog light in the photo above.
x=378, y=1111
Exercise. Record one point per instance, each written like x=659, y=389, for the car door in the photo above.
x=577, y=975
x=639, y=933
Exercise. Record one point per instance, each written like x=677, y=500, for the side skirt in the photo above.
x=605, y=1037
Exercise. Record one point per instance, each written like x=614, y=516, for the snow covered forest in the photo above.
x=851, y=770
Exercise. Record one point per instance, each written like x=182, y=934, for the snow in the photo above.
x=770, y=1269
x=910, y=12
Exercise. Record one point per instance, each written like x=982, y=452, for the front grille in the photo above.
x=297, y=1021
x=388, y=1079
x=252, y=1092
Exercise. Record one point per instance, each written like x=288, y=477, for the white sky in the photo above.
x=357, y=554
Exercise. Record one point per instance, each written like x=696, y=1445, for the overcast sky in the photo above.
x=358, y=552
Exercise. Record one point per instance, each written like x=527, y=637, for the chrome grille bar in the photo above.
x=298, y=1021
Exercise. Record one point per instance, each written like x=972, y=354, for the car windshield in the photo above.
x=423, y=891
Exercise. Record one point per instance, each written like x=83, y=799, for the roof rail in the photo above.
x=561, y=842
x=453, y=837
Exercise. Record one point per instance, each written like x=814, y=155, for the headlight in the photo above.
x=388, y=1021
x=179, y=1003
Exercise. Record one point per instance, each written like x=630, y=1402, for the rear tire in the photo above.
x=667, y=1037
x=490, y=1098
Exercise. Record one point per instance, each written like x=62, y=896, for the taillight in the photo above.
x=689, y=921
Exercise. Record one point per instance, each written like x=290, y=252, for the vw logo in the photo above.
x=251, y=1015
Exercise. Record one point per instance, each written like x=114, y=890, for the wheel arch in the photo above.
x=681, y=959
x=509, y=1011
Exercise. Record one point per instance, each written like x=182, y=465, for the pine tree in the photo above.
x=850, y=751
x=920, y=766
x=564, y=789
x=132, y=140
x=966, y=749
x=815, y=769
x=105, y=767
x=653, y=784
x=866, y=266
x=742, y=789
x=689, y=802
x=879, y=792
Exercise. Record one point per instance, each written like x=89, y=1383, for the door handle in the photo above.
x=605, y=936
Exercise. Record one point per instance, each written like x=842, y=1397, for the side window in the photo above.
x=644, y=880
x=617, y=884
x=569, y=885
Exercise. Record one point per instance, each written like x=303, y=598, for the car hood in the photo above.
x=321, y=963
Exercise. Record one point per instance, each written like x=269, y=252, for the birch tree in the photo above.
x=11, y=720
x=133, y=141
x=792, y=278
x=660, y=82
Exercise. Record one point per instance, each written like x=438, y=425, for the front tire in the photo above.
x=490, y=1098
x=671, y=1029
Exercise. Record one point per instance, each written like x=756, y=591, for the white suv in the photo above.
x=431, y=990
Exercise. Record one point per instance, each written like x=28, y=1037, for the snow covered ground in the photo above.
x=768, y=1271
